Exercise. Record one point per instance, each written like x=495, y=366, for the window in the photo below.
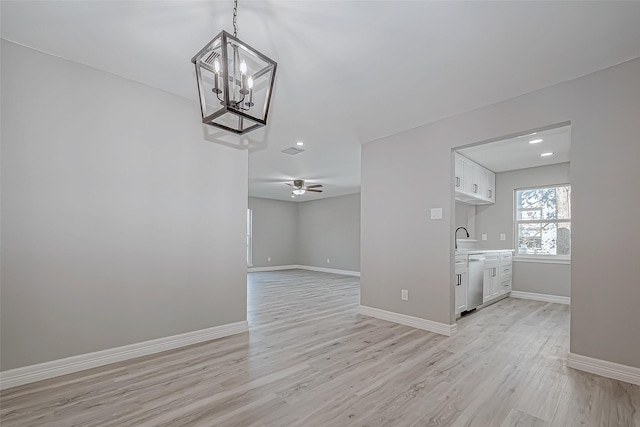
x=543, y=221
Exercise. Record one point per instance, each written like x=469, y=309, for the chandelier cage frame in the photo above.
x=223, y=86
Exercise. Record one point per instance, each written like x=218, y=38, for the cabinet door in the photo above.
x=479, y=181
x=490, y=187
x=459, y=172
x=462, y=284
x=467, y=176
x=487, y=285
x=500, y=290
x=495, y=281
x=490, y=284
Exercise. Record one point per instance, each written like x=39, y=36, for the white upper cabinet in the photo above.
x=490, y=186
x=479, y=181
x=459, y=173
x=474, y=184
x=468, y=175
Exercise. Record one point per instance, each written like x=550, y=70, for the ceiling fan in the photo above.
x=300, y=188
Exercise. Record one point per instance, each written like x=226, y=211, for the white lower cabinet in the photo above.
x=496, y=279
x=461, y=284
x=490, y=283
x=497, y=275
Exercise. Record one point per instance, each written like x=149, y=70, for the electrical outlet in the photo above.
x=328, y=260
x=404, y=295
x=484, y=237
x=268, y=259
x=503, y=236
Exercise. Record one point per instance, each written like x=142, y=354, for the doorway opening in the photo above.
x=513, y=216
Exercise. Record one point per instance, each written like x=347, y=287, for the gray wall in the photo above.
x=120, y=224
x=402, y=248
x=307, y=233
x=465, y=217
x=545, y=278
x=550, y=279
x=275, y=228
x=330, y=228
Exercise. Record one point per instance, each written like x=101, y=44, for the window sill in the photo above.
x=542, y=259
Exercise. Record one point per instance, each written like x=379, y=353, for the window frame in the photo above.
x=545, y=258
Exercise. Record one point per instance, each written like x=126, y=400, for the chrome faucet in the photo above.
x=455, y=235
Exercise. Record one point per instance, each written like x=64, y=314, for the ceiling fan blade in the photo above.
x=289, y=184
x=315, y=191
x=314, y=186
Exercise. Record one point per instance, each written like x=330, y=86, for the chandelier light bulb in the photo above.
x=250, y=82
x=243, y=67
x=216, y=66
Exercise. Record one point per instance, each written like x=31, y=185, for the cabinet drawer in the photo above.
x=505, y=270
x=491, y=261
x=505, y=256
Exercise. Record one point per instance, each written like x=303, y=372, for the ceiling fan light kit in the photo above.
x=235, y=82
x=300, y=188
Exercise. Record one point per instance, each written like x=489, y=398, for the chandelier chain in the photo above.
x=235, y=18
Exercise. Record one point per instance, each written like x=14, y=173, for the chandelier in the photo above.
x=235, y=82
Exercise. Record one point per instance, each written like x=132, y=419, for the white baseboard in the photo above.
x=330, y=270
x=304, y=267
x=604, y=368
x=69, y=365
x=414, y=322
x=272, y=268
x=541, y=297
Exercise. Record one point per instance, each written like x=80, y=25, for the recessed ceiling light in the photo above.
x=300, y=143
x=546, y=154
x=535, y=141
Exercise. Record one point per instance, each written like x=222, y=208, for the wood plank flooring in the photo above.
x=311, y=360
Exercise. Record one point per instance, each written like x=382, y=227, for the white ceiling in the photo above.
x=518, y=153
x=349, y=72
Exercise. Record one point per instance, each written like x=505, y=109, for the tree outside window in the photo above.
x=543, y=221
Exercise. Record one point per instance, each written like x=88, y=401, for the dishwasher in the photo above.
x=476, y=278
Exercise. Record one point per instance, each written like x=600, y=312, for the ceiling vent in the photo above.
x=293, y=151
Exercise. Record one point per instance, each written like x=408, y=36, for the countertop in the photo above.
x=481, y=251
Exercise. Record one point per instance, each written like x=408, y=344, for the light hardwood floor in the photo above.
x=310, y=360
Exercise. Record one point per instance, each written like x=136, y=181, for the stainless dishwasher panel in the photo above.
x=476, y=278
